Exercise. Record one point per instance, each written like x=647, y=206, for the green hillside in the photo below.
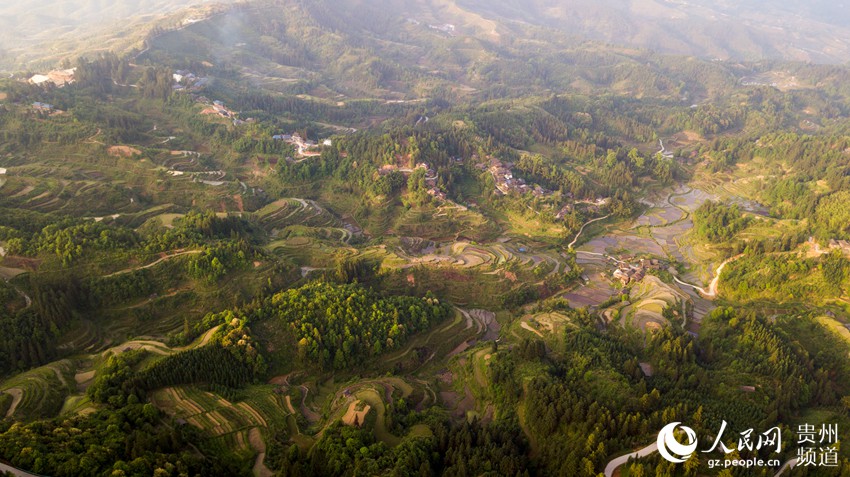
x=384, y=238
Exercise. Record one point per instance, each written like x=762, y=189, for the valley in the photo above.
x=335, y=238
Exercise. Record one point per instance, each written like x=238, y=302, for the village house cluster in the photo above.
x=305, y=147
x=57, y=77
x=185, y=80
x=218, y=107
x=431, y=182
x=445, y=28
x=430, y=177
x=628, y=272
x=507, y=183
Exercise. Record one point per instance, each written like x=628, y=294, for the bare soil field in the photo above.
x=123, y=151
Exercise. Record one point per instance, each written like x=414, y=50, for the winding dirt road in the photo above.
x=259, y=445
x=582, y=229
x=152, y=264
x=712, y=287
x=17, y=395
x=24, y=295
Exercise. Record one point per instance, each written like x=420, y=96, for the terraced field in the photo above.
x=649, y=298
x=445, y=223
x=36, y=188
x=449, y=339
x=281, y=214
x=216, y=416
x=467, y=255
x=41, y=391
x=545, y=324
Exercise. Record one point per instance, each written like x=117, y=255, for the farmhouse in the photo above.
x=436, y=193
x=565, y=211
x=842, y=245
x=42, y=107
x=57, y=77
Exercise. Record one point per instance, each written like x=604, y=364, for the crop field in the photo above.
x=307, y=251
x=648, y=299
x=41, y=391
x=444, y=223
x=543, y=324
x=374, y=400
x=599, y=286
x=840, y=329
x=284, y=212
x=216, y=416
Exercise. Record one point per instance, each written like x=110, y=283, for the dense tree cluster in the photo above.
x=593, y=399
x=231, y=359
x=115, y=384
x=465, y=450
x=216, y=261
x=786, y=277
x=338, y=325
x=105, y=291
x=69, y=241
x=30, y=335
x=717, y=222
x=131, y=440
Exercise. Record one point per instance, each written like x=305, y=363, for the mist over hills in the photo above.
x=818, y=31
x=35, y=31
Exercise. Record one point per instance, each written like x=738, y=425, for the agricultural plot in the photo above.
x=44, y=189
x=660, y=216
x=622, y=240
x=447, y=334
x=444, y=224
x=447, y=340
x=40, y=392
x=76, y=404
x=279, y=215
x=468, y=255
x=356, y=413
x=216, y=416
x=649, y=298
x=373, y=399
x=308, y=251
x=842, y=330
x=597, y=288
x=545, y=324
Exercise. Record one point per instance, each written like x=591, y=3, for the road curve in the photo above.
x=15, y=471
x=618, y=461
x=652, y=448
x=788, y=465
x=26, y=297
x=582, y=229
x=712, y=287
x=153, y=264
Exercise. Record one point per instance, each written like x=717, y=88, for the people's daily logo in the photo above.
x=816, y=446
x=671, y=449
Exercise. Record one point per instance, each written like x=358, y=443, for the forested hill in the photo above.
x=342, y=237
x=752, y=30
x=398, y=52
x=731, y=30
